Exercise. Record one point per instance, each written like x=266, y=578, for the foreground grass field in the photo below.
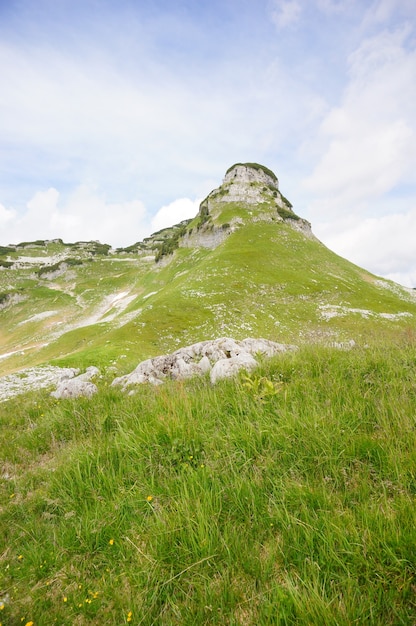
x=284, y=498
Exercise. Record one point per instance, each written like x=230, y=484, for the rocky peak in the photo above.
x=254, y=188
x=249, y=193
x=250, y=173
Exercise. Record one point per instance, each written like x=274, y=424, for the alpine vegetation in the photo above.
x=213, y=426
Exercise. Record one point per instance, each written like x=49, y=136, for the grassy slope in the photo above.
x=265, y=279
x=188, y=504
x=74, y=296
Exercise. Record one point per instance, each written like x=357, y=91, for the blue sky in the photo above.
x=116, y=119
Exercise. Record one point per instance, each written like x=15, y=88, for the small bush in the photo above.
x=286, y=214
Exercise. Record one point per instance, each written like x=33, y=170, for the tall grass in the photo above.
x=191, y=504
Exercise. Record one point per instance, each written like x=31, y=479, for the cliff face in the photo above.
x=249, y=173
x=247, y=183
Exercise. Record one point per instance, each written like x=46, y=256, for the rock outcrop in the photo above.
x=78, y=386
x=248, y=183
x=34, y=378
x=220, y=358
x=250, y=173
x=254, y=189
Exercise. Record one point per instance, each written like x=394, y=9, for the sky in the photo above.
x=118, y=118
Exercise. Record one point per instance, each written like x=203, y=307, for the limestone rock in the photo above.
x=250, y=173
x=90, y=372
x=79, y=386
x=74, y=388
x=221, y=358
x=225, y=368
x=32, y=378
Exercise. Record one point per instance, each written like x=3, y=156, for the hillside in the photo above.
x=283, y=495
x=246, y=265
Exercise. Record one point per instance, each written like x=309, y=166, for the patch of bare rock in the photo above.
x=78, y=386
x=221, y=358
x=68, y=381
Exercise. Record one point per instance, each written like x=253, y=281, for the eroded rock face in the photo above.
x=221, y=358
x=246, y=173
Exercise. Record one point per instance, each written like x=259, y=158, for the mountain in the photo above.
x=246, y=265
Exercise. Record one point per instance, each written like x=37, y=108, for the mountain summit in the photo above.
x=245, y=266
x=249, y=192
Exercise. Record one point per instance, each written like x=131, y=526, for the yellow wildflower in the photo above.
x=65, y=599
x=20, y=557
x=111, y=542
x=29, y=624
x=149, y=498
x=129, y=616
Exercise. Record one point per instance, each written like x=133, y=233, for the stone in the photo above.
x=224, y=368
x=248, y=173
x=78, y=386
x=74, y=388
x=39, y=377
x=90, y=372
x=220, y=357
x=264, y=346
x=204, y=365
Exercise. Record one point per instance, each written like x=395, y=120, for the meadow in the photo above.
x=283, y=497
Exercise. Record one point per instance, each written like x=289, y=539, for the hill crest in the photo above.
x=249, y=193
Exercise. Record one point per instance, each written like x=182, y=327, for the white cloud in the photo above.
x=128, y=127
x=368, y=142
x=175, y=212
x=382, y=11
x=6, y=216
x=42, y=207
x=85, y=215
x=361, y=189
x=335, y=6
x=286, y=13
x=383, y=245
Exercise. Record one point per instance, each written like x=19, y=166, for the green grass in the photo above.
x=264, y=280
x=191, y=504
